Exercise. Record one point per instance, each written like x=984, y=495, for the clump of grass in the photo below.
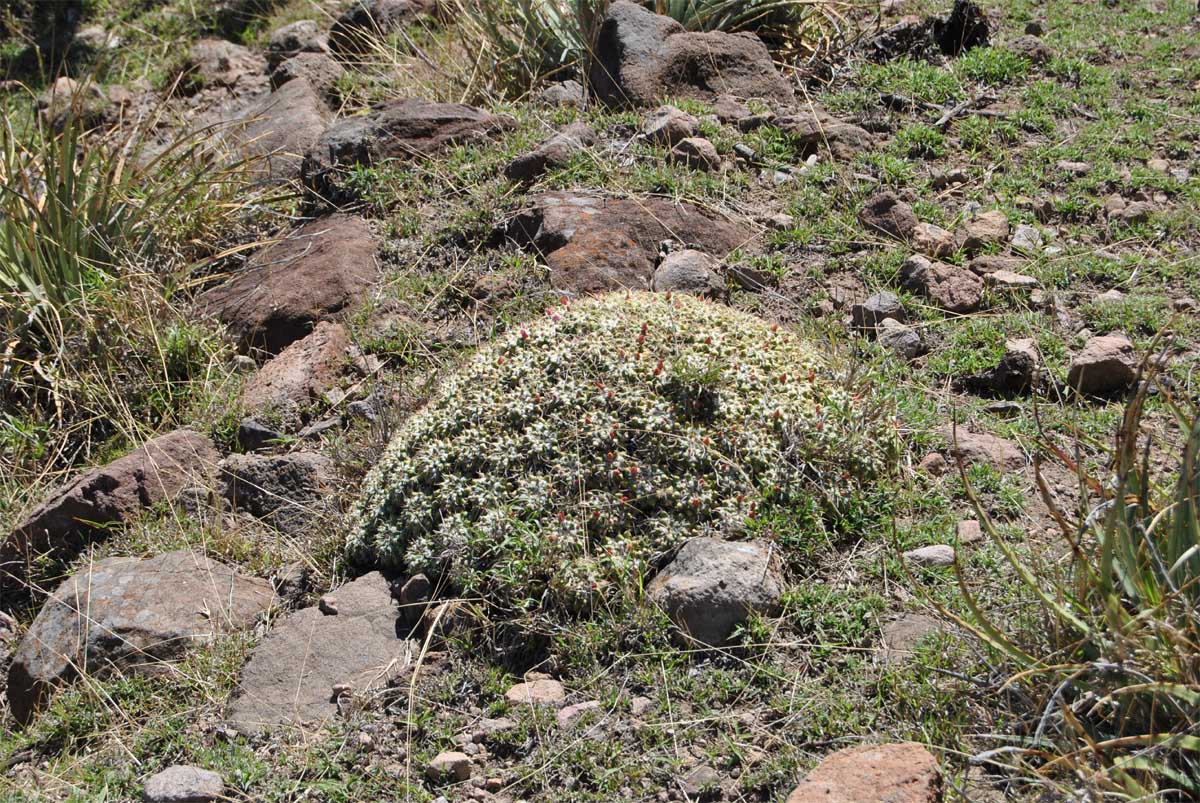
x=1108, y=660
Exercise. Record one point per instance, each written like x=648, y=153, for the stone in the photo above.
x=320, y=71
x=1007, y=280
x=902, y=634
x=290, y=678
x=404, y=129
x=1159, y=165
x=557, y=151
x=932, y=557
x=566, y=717
x=951, y=288
x=668, y=126
x=302, y=36
x=1026, y=238
x=219, y=63
x=253, y=435
x=980, y=447
x=1135, y=212
x=1032, y=48
x=642, y=57
x=538, y=692
x=564, y=93
x=449, y=766
x=129, y=615
x=301, y=374
x=414, y=597
x=1104, y=365
x=1015, y=371
x=368, y=21
x=94, y=37
x=68, y=100
x=284, y=490
x=968, y=531
x=904, y=341
x=700, y=782
x=932, y=241
x=184, y=784
x=1113, y=296
x=80, y=511
x=884, y=213
x=595, y=243
x=312, y=274
x=817, y=133
x=877, y=307
x=982, y=230
x=984, y=264
x=697, y=153
x=8, y=632
x=895, y=773
x=712, y=586
x=1074, y=168
x=688, y=271
x=278, y=130
x=933, y=464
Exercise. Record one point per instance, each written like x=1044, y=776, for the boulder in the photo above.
x=79, y=511
x=596, y=262
x=815, y=132
x=404, y=129
x=301, y=374
x=668, y=126
x=313, y=274
x=284, y=490
x=296, y=676
x=184, y=784
x=302, y=36
x=129, y=615
x=696, y=152
x=688, y=271
x=280, y=128
x=712, y=586
x=980, y=447
x=982, y=230
x=1104, y=365
x=557, y=151
x=321, y=71
x=895, y=773
x=642, y=57
x=950, y=287
x=886, y=214
x=366, y=21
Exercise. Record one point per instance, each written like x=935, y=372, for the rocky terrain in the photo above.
x=939, y=258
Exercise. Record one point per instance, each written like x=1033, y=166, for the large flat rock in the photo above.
x=353, y=644
x=129, y=615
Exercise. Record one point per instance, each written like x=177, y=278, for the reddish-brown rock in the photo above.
x=280, y=128
x=980, y=447
x=302, y=372
x=1104, y=365
x=886, y=773
x=950, y=287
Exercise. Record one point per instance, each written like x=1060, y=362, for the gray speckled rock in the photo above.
x=183, y=784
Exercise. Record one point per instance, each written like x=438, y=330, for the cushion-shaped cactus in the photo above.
x=576, y=450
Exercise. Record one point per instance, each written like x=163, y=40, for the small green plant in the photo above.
x=919, y=141
x=992, y=66
x=1109, y=660
x=566, y=459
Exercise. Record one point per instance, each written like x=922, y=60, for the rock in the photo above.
x=539, y=692
x=1032, y=48
x=1113, y=296
x=129, y=615
x=301, y=374
x=642, y=57
x=8, y=632
x=951, y=288
x=936, y=556
x=280, y=128
x=414, y=598
x=80, y=511
x=449, y=766
x=253, y=435
x=688, y=271
x=668, y=126
x=1104, y=365
x=1026, y=238
x=984, y=264
x=698, y=153
x=875, y=309
x=966, y=27
x=557, y=151
x=902, y=635
x=68, y=100
x=932, y=241
x=1135, y=212
x=97, y=38
x=885, y=213
x=1007, y=280
x=712, y=586
x=404, y=129
x=815, y=132
x=1016, y=370
x=566, y=717
x=320, y=71
x=594, y=243
x=980, y=447
x=1074, y=168
x=968, y=531
x=313, y=274
x=284, y=490
x=933, y=464
x=368, y=21
x=895, y=773
x=302, y=36
x=1159, y=165
x=217, y=62
x=904, y=341
x=980, y=231
x=184, y=784
x=700, y=782
x=564, y=93
x=291, y=676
